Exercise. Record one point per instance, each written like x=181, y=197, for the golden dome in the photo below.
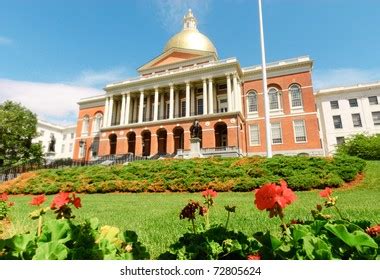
x=190, y=37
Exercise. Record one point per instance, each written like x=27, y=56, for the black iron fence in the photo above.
x=12, y=172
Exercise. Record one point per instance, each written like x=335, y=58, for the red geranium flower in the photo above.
x=76, y=201
x=60, y=200
x=4, y=197
x=38, y=200
x=270, y=195
x=373, y=231
x=209, y=193
x=254, y=257
x=326, y=192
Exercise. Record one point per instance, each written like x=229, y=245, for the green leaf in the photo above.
x=51, y=251
x=21, y=244
x=268, y=240
x=356, y=239
x=56, y=230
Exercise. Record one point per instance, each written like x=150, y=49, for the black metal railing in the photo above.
x=13, y=172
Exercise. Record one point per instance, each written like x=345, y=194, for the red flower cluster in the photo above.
x=209, y=193
x=270, y=196
x=373, y=231
x=63, y=198
x=254, y=257
x=4, y=197
x=38, y=200
x=326, y=192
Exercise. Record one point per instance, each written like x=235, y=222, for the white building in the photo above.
x=64, y=139
x=346, y=111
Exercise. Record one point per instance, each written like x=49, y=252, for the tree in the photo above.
x=18, y=126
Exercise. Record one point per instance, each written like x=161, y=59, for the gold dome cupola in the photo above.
x=190, y=38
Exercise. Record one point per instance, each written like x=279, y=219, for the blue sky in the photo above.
x=54, y=52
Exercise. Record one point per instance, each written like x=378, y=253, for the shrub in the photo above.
x=363, y=146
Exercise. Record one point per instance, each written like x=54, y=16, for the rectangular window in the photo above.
x=42, y=132
x=356, y=120
x=353, y=102
x=183, y=108
x=299, y=131
x=223, y=106
x=71, y=147
x=334, y=104
x=337, y=122
x=276, y=133
x=200, y=106
x=254, y=135
x=63, y=148
x=72, y=135
x=167, y=110
x=373, y=100
x=340, y=140
x=64, y=136
x=376, y=118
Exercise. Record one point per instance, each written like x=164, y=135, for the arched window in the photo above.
x=274, y=99
x=252, y=102
x=97, y=124
x=295, y=96
x=85, y=125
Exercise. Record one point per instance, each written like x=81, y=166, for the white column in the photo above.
x=192, y=106
x=211, y=97
x=204, y=97
x=176, y=103
x=187, y=99
x=155, y=110
x=148, y=106
x=171, y=101
x=127, y=108
x=229, y=94
x=135, y=107
x=236, y=93
x=122, y=117
x=141, y=106
x=110, y=109
x=105, y=115
x=162, y=107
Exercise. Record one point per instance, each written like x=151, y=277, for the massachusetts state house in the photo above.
x=153, y=113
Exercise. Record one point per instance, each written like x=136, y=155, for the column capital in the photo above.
x=171, y=85
x=210, y=79
x=156, y=87
x=187, y=83
x=141, y=90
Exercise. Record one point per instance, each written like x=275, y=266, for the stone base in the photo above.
x=195, y=148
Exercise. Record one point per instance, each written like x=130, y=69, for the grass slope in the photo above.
x=155, y=217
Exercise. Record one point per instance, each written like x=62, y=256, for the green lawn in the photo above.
x=155, y=216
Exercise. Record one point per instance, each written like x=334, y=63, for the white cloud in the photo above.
x=53, y=102
x=5, y=40
x=344, y=77
x=90, y=78
x=171, y=12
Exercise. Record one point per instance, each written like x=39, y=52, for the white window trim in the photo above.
x=182, y=114
x=295, y=109
x=220, y=97
x=196, y=104
x=86, y=119
x=278, y=100
x=282, y=138
x=250, y=136
x=294, y=131
x=254, y=113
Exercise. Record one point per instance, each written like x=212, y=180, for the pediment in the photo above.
x=174, y=56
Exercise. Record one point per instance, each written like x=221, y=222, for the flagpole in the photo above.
x=268, y=139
